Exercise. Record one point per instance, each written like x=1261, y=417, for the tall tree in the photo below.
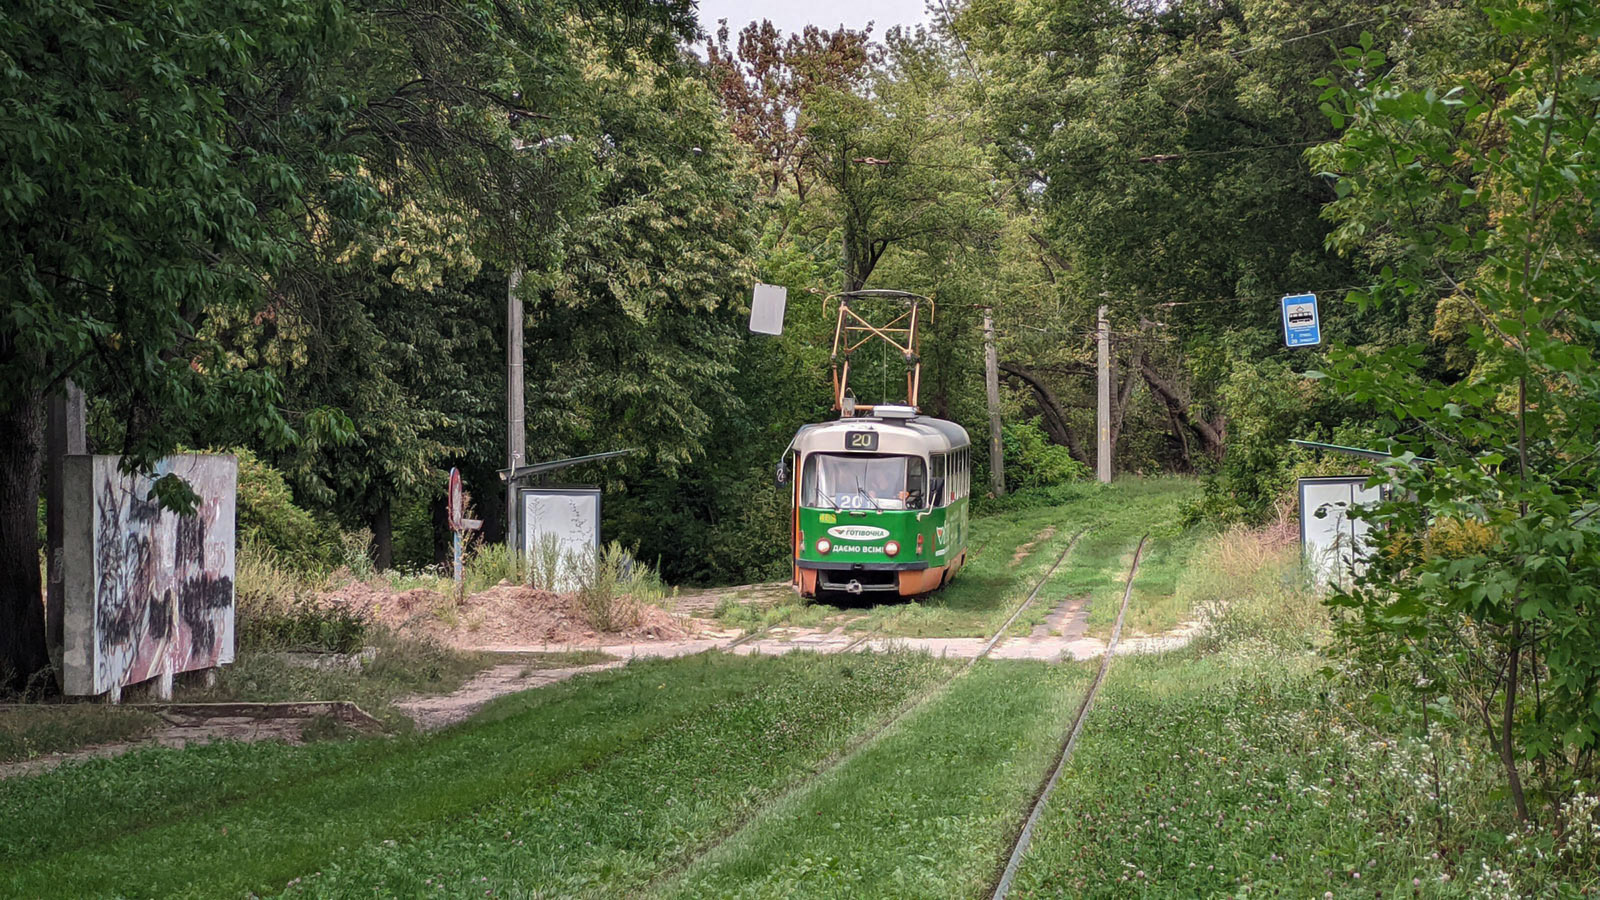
x=182, y=171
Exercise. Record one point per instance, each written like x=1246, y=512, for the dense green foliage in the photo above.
x=1472, y=178
x=269, y=521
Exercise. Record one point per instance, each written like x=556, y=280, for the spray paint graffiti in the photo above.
x=157, y=594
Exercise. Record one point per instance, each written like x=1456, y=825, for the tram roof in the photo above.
x=900, y=435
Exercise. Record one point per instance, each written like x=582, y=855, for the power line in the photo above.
x=1303, y=37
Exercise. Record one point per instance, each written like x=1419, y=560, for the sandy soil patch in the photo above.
x=506, y=614
x=1025, y=549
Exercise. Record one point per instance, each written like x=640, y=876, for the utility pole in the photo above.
x=1103, y=413
x=516, y=410
x=65, y=434
x=991, y=378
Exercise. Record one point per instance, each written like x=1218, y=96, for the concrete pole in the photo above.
x=1103, y=404
x=65, y=433
x=516, y=409
x=991, y=379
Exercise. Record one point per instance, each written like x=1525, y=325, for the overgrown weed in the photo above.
x=1250, y=587
x=31, y=730
x=276, y=608
x=614, y=588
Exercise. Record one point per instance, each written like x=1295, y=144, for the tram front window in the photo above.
x=860, y=481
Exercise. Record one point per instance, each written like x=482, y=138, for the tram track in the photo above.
x=1019, y=847
x=855, y=747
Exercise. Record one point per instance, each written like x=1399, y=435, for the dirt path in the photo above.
x=433, y=711
x=185, y=726
x=1062, y=636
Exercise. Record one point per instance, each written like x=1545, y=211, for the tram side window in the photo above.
x=936, y=480
x=962, y=486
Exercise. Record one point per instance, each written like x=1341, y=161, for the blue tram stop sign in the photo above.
x=1301, y=327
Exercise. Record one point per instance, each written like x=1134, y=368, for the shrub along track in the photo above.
x=839, y=759
x=1020, y=848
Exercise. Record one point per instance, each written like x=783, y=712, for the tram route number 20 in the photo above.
x=861, y=440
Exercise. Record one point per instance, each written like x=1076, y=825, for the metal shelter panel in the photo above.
x=1333, y=544
x=572, y=516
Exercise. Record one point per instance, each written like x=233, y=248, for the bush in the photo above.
x=269, y=519
x=1032, y=498
x=277, y=609
x=1033, y=462
x=614, y=588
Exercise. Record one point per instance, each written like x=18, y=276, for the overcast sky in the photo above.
x=793, y=15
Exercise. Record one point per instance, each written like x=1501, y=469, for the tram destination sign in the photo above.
x=861, y=440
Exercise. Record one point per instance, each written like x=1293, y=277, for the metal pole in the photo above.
x=516, y=410
x=991, y=378
x=1103, y=448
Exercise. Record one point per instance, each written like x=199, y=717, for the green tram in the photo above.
x=880, y=503
x=879, y=498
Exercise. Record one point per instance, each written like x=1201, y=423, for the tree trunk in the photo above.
x=1055, y=416
x=439, y=514
x=1123, y=397
x=1508, y=756
x=382, y=537
x=1180, y=434
x=1211, y=434
x=22, y=648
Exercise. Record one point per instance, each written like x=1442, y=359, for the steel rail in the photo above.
x=851, y=750
x=1025, y=837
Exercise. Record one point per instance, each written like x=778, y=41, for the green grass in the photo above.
x=31, y=730
x=994, y=580
x=1155, y=605
x=633, y=763
x=402, y=667
x=1238, y=768
x=924, y=811
x=1238, y=774
x=606, y=831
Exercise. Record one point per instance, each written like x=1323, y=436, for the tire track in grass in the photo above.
x=668, y=876
x=1025, y=837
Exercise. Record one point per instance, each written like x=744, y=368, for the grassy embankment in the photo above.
x=1238, y=768
x=618, y=772
x=1011, y=549
x=1231, y=768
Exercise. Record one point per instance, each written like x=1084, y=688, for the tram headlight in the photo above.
x=824, y=545
x=891, y=548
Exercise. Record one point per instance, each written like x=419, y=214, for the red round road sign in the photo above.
x=454, y=501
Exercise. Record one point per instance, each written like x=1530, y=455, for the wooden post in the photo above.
x=991, y=378
x=1103, y=412
x=65, y=434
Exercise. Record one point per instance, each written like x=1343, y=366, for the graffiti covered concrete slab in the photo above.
x=147, y=591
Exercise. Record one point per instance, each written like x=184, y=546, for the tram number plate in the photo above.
x=861, y=440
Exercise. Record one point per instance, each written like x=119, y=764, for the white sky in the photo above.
x=793, y=15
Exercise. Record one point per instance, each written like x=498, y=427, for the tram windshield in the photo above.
x=862, y=481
